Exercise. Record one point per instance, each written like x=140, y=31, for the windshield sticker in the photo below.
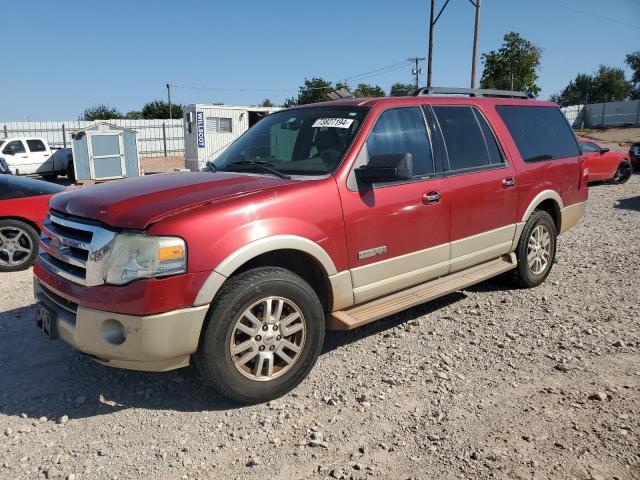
x=333, y=122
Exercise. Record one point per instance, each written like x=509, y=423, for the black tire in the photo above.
x=525, y=275
x=214, y=358
x=71, y=172
x=11, y=229
x=623, y=173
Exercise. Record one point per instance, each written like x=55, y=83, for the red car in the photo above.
x=24, y=204
x=330, y=215
x=604, y=164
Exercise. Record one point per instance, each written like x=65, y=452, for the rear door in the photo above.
x=40, y=157
x=397, y=232
x=483, y=186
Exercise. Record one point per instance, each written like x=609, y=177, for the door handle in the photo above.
x=430, y=197
x=509, y=182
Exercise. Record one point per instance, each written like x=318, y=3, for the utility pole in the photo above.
x=417, y=70
x=432, y=23
x=169, y=96
x=476, y=31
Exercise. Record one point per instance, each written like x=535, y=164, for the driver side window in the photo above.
x=15, y=144
x=589, y=147
x=399, y=131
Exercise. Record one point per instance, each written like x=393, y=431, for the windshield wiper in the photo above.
x=211, y=166
x=264, y=166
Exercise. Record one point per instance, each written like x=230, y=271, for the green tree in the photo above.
x=513, y=67
x=401, y=90
x=313, y=91
x=633, y=62
x=364, y=90
x=608, y=84
x=160, y=109
x=100, y=112
x=134, y=115
x=267, y=103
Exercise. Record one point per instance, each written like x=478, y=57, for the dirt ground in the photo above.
x=489, y=382
x=161, y=164
x=613, y=138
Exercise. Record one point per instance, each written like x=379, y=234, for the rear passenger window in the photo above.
x=540, y=133
x=36, y=145
x=399, y=131
x=469, y=140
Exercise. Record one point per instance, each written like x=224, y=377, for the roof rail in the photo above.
x=472, y=92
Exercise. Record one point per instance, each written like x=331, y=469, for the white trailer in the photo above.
x=209, y=129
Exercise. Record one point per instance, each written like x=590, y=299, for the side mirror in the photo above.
x=603, y=151
x=391, y=167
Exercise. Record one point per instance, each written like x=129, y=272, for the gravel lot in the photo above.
x=491, y=382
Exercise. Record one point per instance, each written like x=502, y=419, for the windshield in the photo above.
x=306, y=141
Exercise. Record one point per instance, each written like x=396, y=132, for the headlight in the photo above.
x=140, y=256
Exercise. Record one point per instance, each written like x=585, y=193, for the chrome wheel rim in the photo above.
x=267, y=338
x=15, y=246
x=539, y=249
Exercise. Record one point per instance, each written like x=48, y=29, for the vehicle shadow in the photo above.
x=42, y=378
x=631, y=203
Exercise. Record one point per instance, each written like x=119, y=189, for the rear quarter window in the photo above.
x=540, y=133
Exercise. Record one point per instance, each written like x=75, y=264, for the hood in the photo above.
x=141, y=201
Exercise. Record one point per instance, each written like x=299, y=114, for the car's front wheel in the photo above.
x=18, y=245
x=623, y=173
x=263, y=335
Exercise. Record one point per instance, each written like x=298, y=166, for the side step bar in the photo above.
x=359, y=315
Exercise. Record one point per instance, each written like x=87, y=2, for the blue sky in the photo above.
x=63, y=56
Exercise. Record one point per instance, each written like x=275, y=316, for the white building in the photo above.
x=210, y=129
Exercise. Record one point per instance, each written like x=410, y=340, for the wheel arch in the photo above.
x=31, y=223
x=549, y=201
x=297, y=254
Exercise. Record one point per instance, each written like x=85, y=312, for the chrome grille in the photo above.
x=74, y=249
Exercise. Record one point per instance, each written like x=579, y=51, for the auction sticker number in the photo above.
x=333, y=122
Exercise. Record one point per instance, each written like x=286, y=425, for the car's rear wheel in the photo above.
x=623, y=173
x=18, y=245
x=263, y=335
x=536, y=250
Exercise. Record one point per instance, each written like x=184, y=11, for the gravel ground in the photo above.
x=491, y=382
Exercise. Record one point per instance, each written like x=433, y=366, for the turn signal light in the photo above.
x=173, y=252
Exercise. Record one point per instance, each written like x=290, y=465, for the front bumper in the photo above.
x=159, y=342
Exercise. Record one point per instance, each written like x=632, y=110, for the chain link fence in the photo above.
x=156, y=138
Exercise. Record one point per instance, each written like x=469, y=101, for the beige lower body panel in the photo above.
x=153, y=343
x=571, y=215
x=359, y=315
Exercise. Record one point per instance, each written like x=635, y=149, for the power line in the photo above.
x=595, y=15
x=361, y=76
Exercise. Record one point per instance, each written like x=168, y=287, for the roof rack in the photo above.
x=472, y=92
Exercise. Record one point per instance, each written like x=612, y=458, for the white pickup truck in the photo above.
x=33, y=156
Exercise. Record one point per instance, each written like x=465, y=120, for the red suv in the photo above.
x=330, y=215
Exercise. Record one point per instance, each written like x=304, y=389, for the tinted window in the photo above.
x=400, y=131
x=540, y=133
x=36, y=145
x=17, y=144
x=470, y=142
x=17, y=187
x=589, y=147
